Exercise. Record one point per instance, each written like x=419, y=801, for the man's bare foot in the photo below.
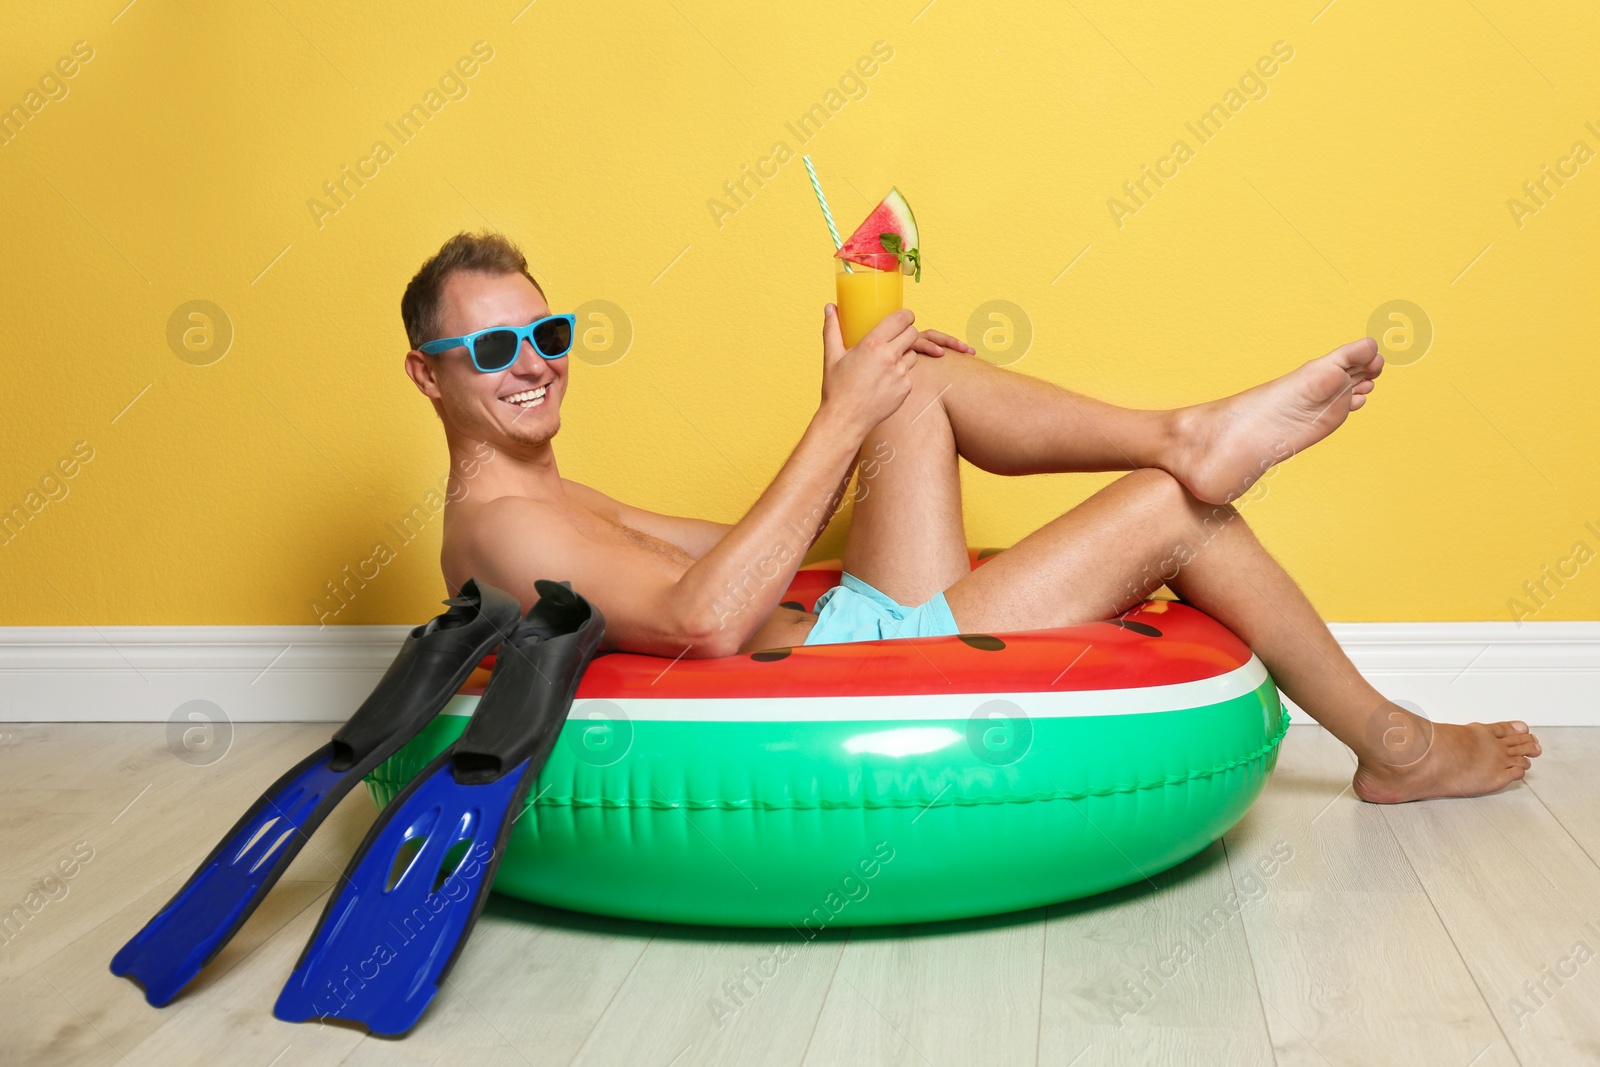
x=1415, y=759
x=1224, y=446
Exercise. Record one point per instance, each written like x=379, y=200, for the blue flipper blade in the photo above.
x=394, y=927
x=183, y=936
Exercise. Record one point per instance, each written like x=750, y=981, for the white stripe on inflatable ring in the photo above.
x=1135, y=700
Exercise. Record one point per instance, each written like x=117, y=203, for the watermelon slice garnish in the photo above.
x=891, y=228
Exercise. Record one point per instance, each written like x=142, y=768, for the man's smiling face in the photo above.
x=518, y=405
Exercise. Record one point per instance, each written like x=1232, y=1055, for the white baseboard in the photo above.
x=144, y=673
x=1546, y=673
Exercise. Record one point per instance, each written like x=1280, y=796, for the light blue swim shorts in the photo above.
x=855, y=611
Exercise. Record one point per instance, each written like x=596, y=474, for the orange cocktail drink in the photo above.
x=867, y=292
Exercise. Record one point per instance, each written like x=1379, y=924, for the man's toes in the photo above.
x=1515, y=744
x=1356, y=402
x=1356, y=355
x=1365, y=385
x=1506, y=729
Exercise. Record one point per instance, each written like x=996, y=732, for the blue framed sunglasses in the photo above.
x=496, y=348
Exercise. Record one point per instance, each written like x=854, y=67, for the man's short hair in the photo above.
x=489, y=252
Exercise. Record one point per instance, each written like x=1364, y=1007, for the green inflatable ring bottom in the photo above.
x=860, y=818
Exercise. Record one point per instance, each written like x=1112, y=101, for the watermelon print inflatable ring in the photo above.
x=888, y=781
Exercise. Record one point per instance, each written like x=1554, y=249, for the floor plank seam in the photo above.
x=353, y=1050
x=615, y=993
x=1044, y=955
x=490, y=1022
x=1467, y=966
x=822, y=1004
x=1255, y=977
x=122, y=1055
x=1564, y=829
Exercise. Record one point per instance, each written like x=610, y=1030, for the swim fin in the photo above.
x=393, y=928
x=433, y=662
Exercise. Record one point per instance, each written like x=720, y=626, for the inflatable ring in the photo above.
x=888, y=781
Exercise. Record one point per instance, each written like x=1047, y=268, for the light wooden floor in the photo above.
x=1453, y=932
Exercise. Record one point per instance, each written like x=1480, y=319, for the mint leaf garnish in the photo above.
x=891, y=242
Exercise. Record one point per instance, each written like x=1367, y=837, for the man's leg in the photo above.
x=1010, y=423
x=1146, y=527
x=906, y=534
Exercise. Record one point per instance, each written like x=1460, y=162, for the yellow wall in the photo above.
x=1378, y=166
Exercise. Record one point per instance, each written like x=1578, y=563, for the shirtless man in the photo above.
x=905, y=404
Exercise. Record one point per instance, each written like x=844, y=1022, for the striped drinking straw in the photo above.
x=822, y=201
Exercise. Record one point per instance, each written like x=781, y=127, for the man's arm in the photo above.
x=652, y=605
x=711, y=608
